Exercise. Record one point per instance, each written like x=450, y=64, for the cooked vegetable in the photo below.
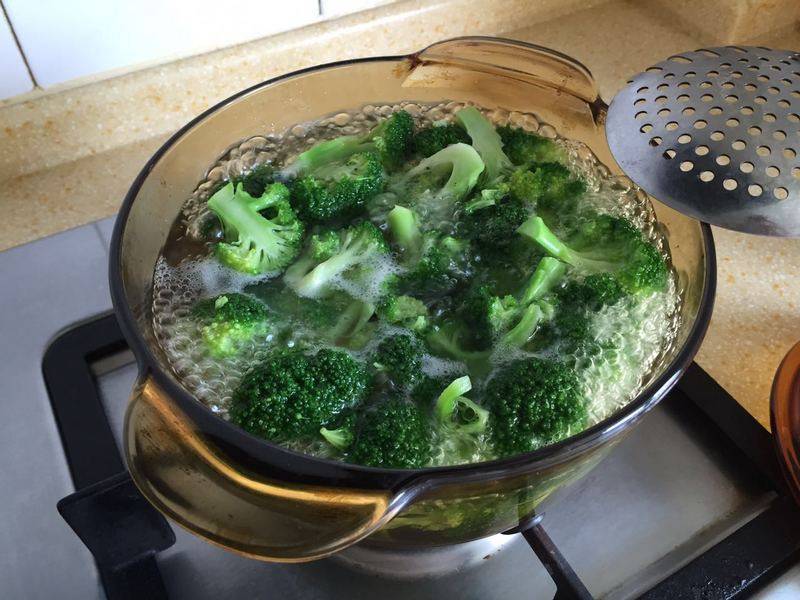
x=230, y=319
x=428, y=296
x=292, y=395
x=396, y=434
x=533, y=402
x=262, y=234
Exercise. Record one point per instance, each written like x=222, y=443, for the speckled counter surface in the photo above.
x=67, y=158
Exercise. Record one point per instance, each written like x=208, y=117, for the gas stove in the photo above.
x=690, y=505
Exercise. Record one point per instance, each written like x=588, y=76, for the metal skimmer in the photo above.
x=715, y=134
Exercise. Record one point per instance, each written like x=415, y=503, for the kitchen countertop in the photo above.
x=68, y=156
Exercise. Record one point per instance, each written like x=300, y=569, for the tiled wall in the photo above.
x=67, y=40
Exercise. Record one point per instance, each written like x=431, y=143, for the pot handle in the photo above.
x=193, y=483
x=517, y=60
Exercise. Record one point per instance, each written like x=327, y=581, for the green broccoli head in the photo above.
x=338, y=190
x=430, y=140
x=551, y=187
x=229, y=320
x=533, y=402
x=525, y=148
x=292, y=395
x=256, y=180
x=443, y=264
x=399, y=358
x=605, y=244
x=404, y=311
x=488, y=314
x=334, y=259
x=493, y=227
x=394, y=434
x=393, y=139
x=262, y=234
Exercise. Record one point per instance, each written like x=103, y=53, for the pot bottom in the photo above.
x=417, y=563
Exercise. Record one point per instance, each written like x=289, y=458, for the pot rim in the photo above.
x=376, y=477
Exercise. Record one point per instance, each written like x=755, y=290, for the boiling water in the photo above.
x=643, y=329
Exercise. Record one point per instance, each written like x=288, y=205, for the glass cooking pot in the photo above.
x=259, y=499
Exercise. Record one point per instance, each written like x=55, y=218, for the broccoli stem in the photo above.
x=351, y=322
x=465, y=167
x=338, y=438
x=525, y=328
x=535, y=229
x=544, y=278
x=486, y=141
x=452, y=398
x=405, y=231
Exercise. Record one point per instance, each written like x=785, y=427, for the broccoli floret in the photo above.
x=524, y=148
x=291, y=395
x=428, y=390
x=605, y=244
x=458, y=413
x=430, y=140
x=486, y=141
x=257, y=179
x=394, y=434
x=512, y=320
x=393, y=139
x=339, y=189
x=262, y=234
x=444, y=263
x=441, y=180
x=230, y=319
x=492, y=227
x=340, y=434
x=404, y=311
x=390, y=140
x=331, y=255
x=487, y=197
x=577, y=302
x=533, y=402
x=399, y=358
x=550, y=187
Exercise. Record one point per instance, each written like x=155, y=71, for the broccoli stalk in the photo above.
x=547, y=275
x=405, y=232
x=333, y=254
x=351, y=328
x=339, y=438
x=458, y=413
x=485, y=140
x=255, y=243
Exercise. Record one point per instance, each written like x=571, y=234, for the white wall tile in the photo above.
x=14, y=78
x=65, y=39
x=333, y=8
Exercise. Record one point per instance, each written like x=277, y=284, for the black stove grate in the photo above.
x=124, y=533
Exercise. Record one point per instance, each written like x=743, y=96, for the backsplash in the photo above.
x=71, y=41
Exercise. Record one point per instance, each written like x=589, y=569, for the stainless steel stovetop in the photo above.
x=667, y=494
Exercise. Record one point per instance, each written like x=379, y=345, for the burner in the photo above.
x=692, y=502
